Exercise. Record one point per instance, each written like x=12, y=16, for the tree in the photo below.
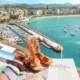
x=1, y=38
x=47, y=7
x=14, y=16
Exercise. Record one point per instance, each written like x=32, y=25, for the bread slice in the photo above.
x=46, y=61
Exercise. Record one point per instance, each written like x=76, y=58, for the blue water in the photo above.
x=6, y=55
x=54, y=27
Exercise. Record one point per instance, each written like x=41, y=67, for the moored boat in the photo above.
x=72, y=34
x=65, y=31
x=23, y=19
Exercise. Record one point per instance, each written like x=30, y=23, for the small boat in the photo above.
x=67, y=25
x=75, y=29
x=23, y=19
x=51, y=30
x=65, y=31
x=72, y=34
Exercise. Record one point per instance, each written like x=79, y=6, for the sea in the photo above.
x=64, y=30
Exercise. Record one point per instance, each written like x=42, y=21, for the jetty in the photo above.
x=41, y=37
x=45, y=44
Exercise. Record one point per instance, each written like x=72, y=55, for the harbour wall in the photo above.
x=48, y=41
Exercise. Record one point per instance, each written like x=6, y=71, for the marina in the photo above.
x=39, y=40
x=9, y=36
x=41, y=37
x=18, y=30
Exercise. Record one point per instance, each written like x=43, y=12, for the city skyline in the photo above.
x=38, y=1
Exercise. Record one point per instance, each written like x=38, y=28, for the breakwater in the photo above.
x=48, y=41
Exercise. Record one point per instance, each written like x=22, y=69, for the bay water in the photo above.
x=59, y=29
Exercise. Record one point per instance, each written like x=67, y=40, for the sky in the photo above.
x=38, y=1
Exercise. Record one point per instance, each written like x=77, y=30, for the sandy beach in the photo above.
x=48, y=16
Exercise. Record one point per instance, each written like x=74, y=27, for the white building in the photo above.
x=50, y=11
x=78, y=10
x=37, y=12
x=65, y=11
x=57, y=11
x=26, y=12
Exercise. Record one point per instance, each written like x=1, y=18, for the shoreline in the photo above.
x=48, y=16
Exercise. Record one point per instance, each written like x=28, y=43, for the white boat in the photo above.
x=72, y=34
x=75, y=29
x=23, y=19
x=65, y=31
x=67, y=25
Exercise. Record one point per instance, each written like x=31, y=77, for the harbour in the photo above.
x=38, y=38
x=55, y=46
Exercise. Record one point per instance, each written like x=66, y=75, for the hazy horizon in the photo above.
x=2, y=2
